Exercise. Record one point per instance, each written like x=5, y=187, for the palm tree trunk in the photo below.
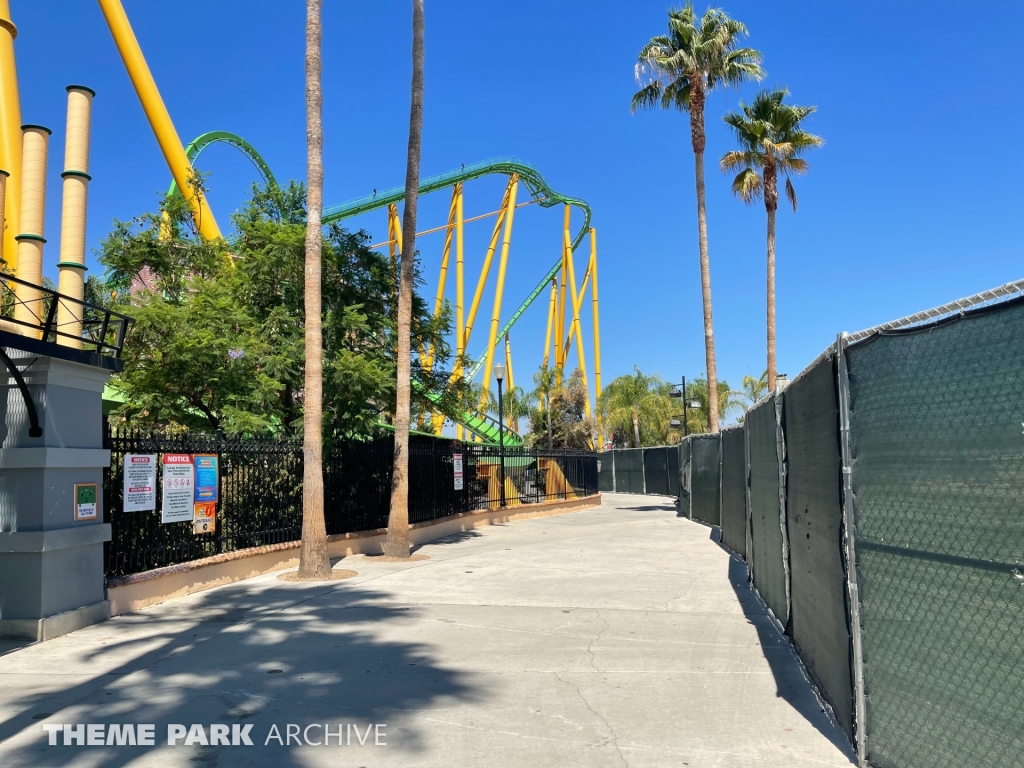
x=636, y=431
x=699, y=141
x=314, y=562
x=771, y=299
x=397, y=543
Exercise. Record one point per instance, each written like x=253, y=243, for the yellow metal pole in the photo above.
x=443, y=277
x=597, y=333
x=156, y=113
x=575, y=329
x=551, y=319
x=499, y=291
x=485, y=270
x=71, y=281
x=394, y=238
x=508, y=372
x=10, y=136
x=460, y=347
x=566, y=250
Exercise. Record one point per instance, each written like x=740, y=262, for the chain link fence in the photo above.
x=878, y=502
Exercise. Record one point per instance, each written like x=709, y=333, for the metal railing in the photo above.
x=261, y=490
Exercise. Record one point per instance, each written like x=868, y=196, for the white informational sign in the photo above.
x=139, y=482
x=457, y=463
x=179, y=488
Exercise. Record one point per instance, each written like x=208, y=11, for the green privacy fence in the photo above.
x=878, y=502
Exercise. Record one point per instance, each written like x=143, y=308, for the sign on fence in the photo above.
x=205, y=518
x=457, y=464
x=179, y=485
x=139, y=482
x=206, y=477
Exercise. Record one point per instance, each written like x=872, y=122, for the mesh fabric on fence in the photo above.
x=705, y=481
x=629, y=470
x=734, y=490
x=814, y=516
x=938, y=479
x=656, y=471
x=767, y=554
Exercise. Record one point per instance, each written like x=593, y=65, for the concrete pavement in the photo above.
x=617, y=636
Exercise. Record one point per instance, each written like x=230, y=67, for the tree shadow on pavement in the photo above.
x=791, y=682
x=250, y=653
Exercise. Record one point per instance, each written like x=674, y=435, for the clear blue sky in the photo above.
x=911, y=202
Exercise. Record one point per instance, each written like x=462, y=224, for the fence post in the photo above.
x=749, y=555
x=853, y=591
x=780, y=454
x=643, y=470
x=614, y=486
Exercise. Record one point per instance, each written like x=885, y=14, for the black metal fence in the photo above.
x=261, y=490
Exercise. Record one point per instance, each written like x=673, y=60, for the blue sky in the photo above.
x=910, y=203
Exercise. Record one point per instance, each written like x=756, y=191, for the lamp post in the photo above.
x=499, y=374
x=687, y=404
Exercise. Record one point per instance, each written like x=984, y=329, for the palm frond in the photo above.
x=791, y=193
x=647, y=97
x=747, y=186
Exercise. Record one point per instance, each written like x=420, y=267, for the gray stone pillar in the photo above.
x=51, y=566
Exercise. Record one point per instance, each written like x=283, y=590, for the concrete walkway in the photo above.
x=618, y=636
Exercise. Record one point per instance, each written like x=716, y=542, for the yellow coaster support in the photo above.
x=34, y=144
x=597, y=334
x=511, y=379
x=72, y=224
x=506, y=208
x=157, y=114
x=499, y=291
x=551, y=319
x=10, y=136
x=575, y=329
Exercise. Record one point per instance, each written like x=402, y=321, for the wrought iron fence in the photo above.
x=261, y=490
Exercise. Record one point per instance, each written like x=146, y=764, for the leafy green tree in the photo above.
x=677, y=71
x=638, y=406
x=515, y=403
x=254, y=313
x=771, y=142
x=566, y=411
x=546, y=382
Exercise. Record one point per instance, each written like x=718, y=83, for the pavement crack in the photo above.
x=613, y=737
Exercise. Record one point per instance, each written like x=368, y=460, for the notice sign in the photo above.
x=86, y=507
x=179, y=486
x=205, y=517
x=457, y=464
x=206, y=477
x=139, y=482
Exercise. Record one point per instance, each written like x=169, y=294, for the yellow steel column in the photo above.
x=72, y=222
x=508, y=373
x=10, y=135
x=34, y=143
x=4, y=176
x=443, y=276
x=485, y=270
x=551, y=320
x=394, y=238
x=499, y=291
x=460, y=346
x=575, y=330
x=597, y=333
x=566, y=252
x=156, y=113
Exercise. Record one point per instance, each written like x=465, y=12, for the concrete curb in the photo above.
x=140, y=590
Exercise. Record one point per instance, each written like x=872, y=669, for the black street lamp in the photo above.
x=687, y=403
x=499, y=374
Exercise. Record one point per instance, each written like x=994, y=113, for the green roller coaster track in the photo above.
x=538, y=188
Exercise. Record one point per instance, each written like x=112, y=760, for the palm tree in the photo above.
x=515, y=403
x=771, y=142
x=546, y=382
x=636, y=403
x=699, y=419
x=314, y=563
x=755, y=389
x=397, y=542
x=677, y=71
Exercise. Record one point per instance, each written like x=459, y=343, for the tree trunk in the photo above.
x=636, y=431
x=551, y=441
x=314, y=562
x=771, y=204
x=698, y=139
x=397, y=543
